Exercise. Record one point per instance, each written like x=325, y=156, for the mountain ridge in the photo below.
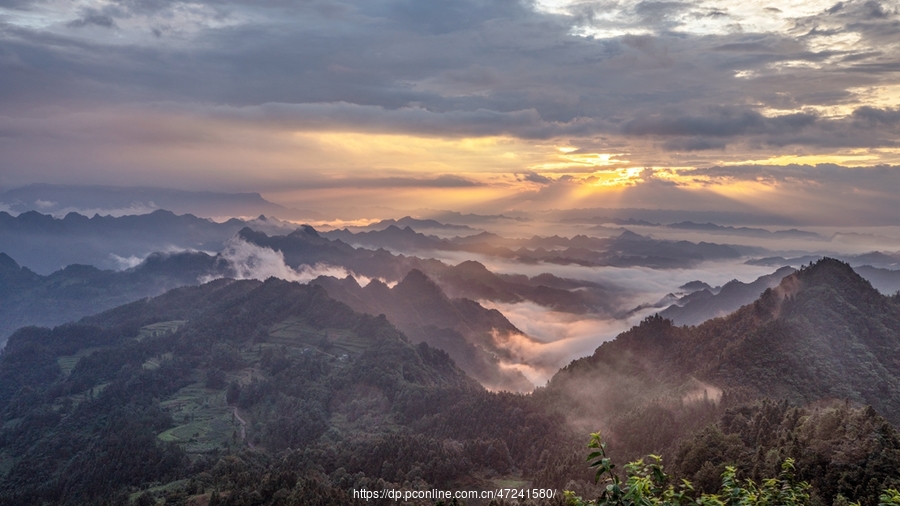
x=422, y=310
x=58, y=198
x=225, y=386
x=823, y=332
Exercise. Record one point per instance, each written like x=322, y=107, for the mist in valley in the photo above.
x=554, y=337
x=281, y=253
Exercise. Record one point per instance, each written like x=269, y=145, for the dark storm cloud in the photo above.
x=375, y=119
x=876, y=10
x=693, y=144
x=874, y=20
x=721, y=122
x=874, y=116
x=876, y=68
x=866, y=127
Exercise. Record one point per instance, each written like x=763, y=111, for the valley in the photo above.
x=296, y=364
x=449, y=253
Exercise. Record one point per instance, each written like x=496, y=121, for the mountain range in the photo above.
x=625, y=249
x=249, y=389
x=822, y=333
x=255, y=390
x=46, y=244
x=60, y=200
x=235, y=383
x=469, y=279
x=27, y=298
x=471, y=334
x=701, y=305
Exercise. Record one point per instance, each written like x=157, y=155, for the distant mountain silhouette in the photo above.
x=877, y=259
x=468, y=279
x=392, y=237
x=408, y=221
x=626, y=249
x=129, y=200
x=45, y=244
x=27, y=298
x=700, y=306
x=887, y=281
x=712, y=228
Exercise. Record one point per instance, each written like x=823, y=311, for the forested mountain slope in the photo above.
x=469, y=279
x=277, y=375
x=249, y=392
x=704, y=305
x=28, y=298
x=822, y=345
x=470, y=333
x=824, y=332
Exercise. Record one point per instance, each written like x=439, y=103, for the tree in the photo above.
x=647, y=484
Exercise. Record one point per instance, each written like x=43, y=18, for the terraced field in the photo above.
x=67, y=363
x=293, y=333
x=155, y=362
x=159, y=328
x=206, y=421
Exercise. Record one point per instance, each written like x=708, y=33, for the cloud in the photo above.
x=524, y=123
x=16, y=4
x=534, y=177
x=872, y=116
x=441, y=181
x=813, y=193
x=250, y=261
x=207, y=84
x=562, y=338
x=135, y=208
x=126, y=262
x=693, y=144
x=94, y=19
x=720, y=122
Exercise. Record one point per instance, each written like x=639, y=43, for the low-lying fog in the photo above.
x=560, y=336
x=563, y=336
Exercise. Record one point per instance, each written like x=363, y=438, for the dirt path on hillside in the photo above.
x=243, y=423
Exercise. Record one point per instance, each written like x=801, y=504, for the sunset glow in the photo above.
x=385, y=105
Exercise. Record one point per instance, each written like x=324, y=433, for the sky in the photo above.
x=789, y=108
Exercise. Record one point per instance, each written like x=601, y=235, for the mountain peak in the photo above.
x=417, y=284
x=304, y=231
x=832, y=273
x=7, y=263
x=628, y=235
x=828, y=265
x=472, y=268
